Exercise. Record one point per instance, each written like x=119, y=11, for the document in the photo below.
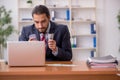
x=104, y=59
x=102, y=62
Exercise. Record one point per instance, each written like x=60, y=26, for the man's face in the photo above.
x=41, y=22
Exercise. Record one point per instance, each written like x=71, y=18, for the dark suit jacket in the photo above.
x=61, y=36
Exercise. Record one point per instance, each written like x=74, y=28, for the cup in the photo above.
x=32, y=37
x=50, y=36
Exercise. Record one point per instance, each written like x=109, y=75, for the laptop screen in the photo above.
x=26, y=53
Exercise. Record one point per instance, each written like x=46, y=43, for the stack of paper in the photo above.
x=102, y=62
x=118, y=66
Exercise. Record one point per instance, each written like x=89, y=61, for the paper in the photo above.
x=61, y=65
x=104, y=59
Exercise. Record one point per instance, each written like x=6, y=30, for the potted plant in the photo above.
x=6, y=29
x=118, y=17
x=29, y=3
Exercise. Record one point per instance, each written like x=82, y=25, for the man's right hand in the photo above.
x=32, y=39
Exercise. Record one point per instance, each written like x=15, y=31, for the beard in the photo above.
x=42, y=30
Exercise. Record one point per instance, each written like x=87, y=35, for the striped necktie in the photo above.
x=42, y=37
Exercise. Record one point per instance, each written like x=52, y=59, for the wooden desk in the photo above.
x=74, y=71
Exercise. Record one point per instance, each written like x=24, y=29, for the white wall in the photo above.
x=12, y=5
x=109, y=39
x=113, y=35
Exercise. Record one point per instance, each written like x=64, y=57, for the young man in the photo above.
x=58, y=48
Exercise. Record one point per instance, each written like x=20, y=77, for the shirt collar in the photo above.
x=48, y=29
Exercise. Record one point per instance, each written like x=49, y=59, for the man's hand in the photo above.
x=52, y=44
x=32, y=39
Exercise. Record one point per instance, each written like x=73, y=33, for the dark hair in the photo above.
x=41, y=9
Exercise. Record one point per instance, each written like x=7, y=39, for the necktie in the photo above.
x=42, y=37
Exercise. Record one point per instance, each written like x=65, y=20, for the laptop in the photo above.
x=26, y=53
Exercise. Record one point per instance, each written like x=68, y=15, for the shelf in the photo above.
x=58, y=21
x=25, y=21
x=58, y=7
x=87, y=48
x=83, y=21
x=85, y=35
x=25, y=8
x=78, y=7
x=64, y=21
x=78, y=15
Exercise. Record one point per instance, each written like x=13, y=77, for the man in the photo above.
x=58, y=48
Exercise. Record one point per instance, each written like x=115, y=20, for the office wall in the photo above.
x=109, y=39
x=113, y=34
x=12, y=5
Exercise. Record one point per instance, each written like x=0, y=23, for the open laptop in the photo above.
x=26, y=53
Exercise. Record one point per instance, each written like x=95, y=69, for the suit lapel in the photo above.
x=52, y=27
x=35, y=31
x=52, y=30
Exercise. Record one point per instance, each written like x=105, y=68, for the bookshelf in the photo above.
x=78, y=15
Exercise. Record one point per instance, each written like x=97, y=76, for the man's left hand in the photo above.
x=52, y=45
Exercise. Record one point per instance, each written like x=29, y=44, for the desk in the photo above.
x=74, y=71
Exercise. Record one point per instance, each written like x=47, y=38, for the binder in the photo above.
x=74, y=42
x=67, y=14
x=94, y=41
x=53, y=15
x=93, y=28
x=92, y=54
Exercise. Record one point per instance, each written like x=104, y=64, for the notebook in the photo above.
x=26, y=53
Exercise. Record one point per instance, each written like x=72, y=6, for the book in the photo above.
x=53, y=15
x=73, y=41
x=94, y=41
x=104, y=59
x=92, y=53
x=93, y=28
x=67, y=14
